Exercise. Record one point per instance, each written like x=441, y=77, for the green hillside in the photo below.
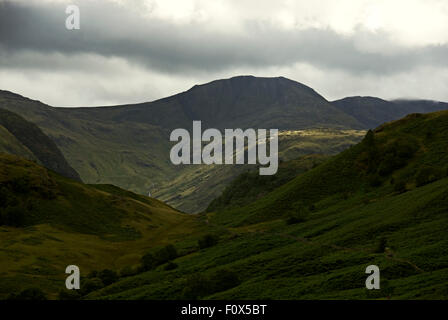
x=25, y=139
x=383, y=202
x=194, y=187
x=48, y=222
x=128, y=146
x=250, y=186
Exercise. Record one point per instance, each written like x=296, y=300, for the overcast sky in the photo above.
x=140, y=50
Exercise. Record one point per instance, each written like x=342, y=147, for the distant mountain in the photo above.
x=24, y=138
x=129, y=146
x=371, y=111
x=239, y=102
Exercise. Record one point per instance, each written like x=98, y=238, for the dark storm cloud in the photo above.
x=110, y=30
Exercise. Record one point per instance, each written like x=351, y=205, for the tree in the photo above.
x=90, y=285
x=148, y=262
x=369, y=139
x=108, y=276
x=161, y=256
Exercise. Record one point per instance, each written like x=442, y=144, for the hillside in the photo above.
x=382, y=202
x=250, y=186
x=195, y=187
x=48, y=222
x=128, y=146
x=239, y=102
x=24, y=138
x=371, y=111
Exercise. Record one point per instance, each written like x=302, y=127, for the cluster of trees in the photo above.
x=95, y=280
x=163, y=255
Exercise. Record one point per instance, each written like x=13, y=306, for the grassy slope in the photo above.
x=10, y=144
x=68, y=222
x=250, y=186
x=326, y=256
x=196, y=186
x=29, y=136
x=129, y=146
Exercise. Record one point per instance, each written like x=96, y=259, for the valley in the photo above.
x=348, y=193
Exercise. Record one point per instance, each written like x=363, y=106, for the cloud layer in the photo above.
x=133, y=51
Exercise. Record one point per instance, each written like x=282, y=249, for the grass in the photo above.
x=94, y=227
x=356, y=210
x=325, y=256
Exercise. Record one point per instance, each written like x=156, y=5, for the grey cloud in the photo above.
x=109, y=30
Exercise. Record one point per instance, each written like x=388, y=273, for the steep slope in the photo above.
x=396, y=152
x=48, y=222
x=31, y=142
x=250, y=186
x=241, y=102
x=196, y=186
x=371, y=111
x=128, y=146
x=10, y=144
x=382, y=202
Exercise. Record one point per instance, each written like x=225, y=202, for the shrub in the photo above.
x=207, y=241
x=128, y=271
x=148, y=262
x=161, y=256
x=165, y=254
x=108, y=276
x=90, y=285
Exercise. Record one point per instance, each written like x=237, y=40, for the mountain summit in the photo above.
x=238, y=102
